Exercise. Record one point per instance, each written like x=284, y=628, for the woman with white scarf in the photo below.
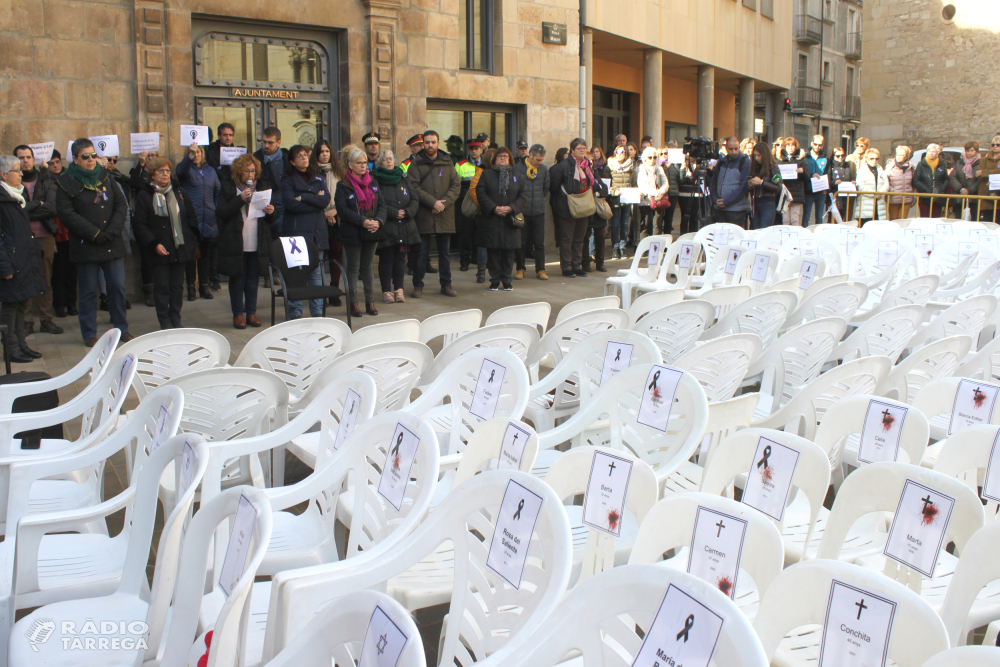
x=620, y=170
x=166, y=226
x=653, y=186
x=21, y=276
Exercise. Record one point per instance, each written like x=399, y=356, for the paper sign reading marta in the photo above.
x=607, y=490
x=239, y=545
x=398, y=461
x=653, y=256
x=512, y=536
x=227, y=154
x=918, y=527
x=991, y=484
x=732, y=259
x=684, y=258
x=770, y=477
x=807, y=274
x=683, y=633
x=881, y=433
x=487, y=393
x=759, y=271
x=973, y=405
x=348, y=418
x=194, y=134
x=384, y=641
x=716, y=548
x=617, y=357
x=144, y=142
x=658, y=397
x=160, y=434
x=512, y=447
x=857, y=628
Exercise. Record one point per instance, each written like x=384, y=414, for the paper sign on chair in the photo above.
x=919, y=527
x=512, y=535
x=684, y=632
x=882, y=431
x=770, y=478
x=617, y=357
x=607, y=491
x=512, y=447
x=857, y=628
x=716, y=548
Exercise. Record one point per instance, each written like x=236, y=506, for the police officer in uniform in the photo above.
x=371, y=143
x=467, y=226
x=415, y=144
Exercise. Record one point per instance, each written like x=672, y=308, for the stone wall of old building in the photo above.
x=927, y=79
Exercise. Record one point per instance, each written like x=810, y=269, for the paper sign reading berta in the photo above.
x=658, y=397
x=144, y=142
x=684, y=633
x=653, y=256
x=881, y=433
x=617, y=357
x=239, y=545
x=487, y=393
x=918, y=527
x=770, y=477
x=228, y=154
x=857, y=628
x=384, y=641
x=807, y=274
x=716, y=548
x=973, y=405
x=296, y=251
x=512, y=447
x=512, y=536
x=398, y=461
x=720, y=235
x=684, y=258
x=194, y=134
x=991, y=484
x=348, y=418
x=732, y=259
x=160, y=433
x=759, y=271
x=607, y=490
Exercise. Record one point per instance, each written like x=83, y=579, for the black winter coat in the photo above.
x=42, y=205
x=86, y=212
x=797, y=187
x=495, y=231
x=269, y=173
x=349, y=229
x=400, y=230
x=560, y=176
x=536, y=188
x=924, y=180
x=304, y=207
x=229, y=213
x=152, y=230
x=20, y=254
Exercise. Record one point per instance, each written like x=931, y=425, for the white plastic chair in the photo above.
x=965, y=456
x=982, y=365
x=721, y=364
x=965, y=317
x=535, y=314
x=574, y=308
x=733, y=458
x=676, y=328
x=966, y=656
x=129, y=601
x=337, y=634
x=714, y=274
x=637, y=273
x=502, y=613
x=936, y=400
x=887, y=334
x=838, y=300
x=971, y=596
x=96, y=363
x=679, y=253
x=826, y=249
x=669, y=526
x=595, y=551
x=384, y=332
x=789, y=620
x=578, y=376
x=164, y=355
x=863, y=266
x=518, y=339
x=724, y=298
x=647, y=303
x=790, y=263
x=591, y=622
x=931, y=362
x=449, y=326
x=762, y=314
x=743, y=274
x=915, y=292
x=706, y=236
x=566, y=333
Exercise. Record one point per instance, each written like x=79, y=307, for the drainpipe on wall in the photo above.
x=583, y=71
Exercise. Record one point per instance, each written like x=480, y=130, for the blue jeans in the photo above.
x=444, y=259
x=818, y=201
x=315, y=305
x=243, y=288
x=763, y=213
x=87, y=279
x=620, y=217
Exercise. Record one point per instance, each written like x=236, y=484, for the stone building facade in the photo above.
x=929, y=67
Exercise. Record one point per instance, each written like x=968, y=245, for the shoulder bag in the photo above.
x=603, y=209
x=581, y=205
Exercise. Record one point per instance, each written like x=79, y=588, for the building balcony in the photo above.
x=853, y=50
x=850, y=108
x=808, y=29
x=807, y=100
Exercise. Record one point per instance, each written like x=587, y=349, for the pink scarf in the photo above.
x=584, y=175
x=362, y=189
x=970, y=165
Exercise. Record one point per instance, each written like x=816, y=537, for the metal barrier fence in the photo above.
x=981, y=207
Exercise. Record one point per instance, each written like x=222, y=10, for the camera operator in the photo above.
x=730, y=185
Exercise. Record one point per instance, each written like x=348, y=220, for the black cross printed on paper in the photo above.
x=520, y=506
x=295, y=246
x=720, y=526
x=619, y=355
x=656, y=376
x=763, y=460
x=382, y=643
x=688, y=624
x=927, y=501
x=885, y=414
x=491, y=375
x=611, y=468
x=861, y=606
x=395, y=450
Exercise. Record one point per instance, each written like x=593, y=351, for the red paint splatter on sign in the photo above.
x=978, y=398
x=613, y=519
x=887, y=422
x=928, y=515
x=725, y=585
x=766, y=473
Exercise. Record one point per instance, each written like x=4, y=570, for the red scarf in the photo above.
x=362, y=189
x=583, y=169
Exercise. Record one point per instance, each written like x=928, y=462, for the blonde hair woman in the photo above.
x=201, y=182
x=860, y=149
x=871, y=178
x=899, y=171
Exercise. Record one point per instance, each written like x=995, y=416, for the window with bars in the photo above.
x=475, y=41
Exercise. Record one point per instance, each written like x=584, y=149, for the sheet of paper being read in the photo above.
x=881, y=432
x=515, y=525
x=820, y=183
x=716, y=548
x=607, y=491
x=398, y=461
x=384, y=641
x=258, y=202
x=857, y=628
x=789, y=172
x=512, y=447
x=683, y=633
x=918, y=527
x=617, y=357
x=239, y=545
x=973, y=405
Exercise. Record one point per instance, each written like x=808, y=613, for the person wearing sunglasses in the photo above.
x=990, y=164
x=818, y=165
x=860, y=148
x=92, y=207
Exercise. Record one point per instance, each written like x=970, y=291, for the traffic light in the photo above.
x=788, y=104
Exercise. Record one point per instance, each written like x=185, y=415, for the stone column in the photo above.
x=383, y=20
x=652, y=95
x=587, y=114
x=706, y=100
x=746, y=108
x=151, y=70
